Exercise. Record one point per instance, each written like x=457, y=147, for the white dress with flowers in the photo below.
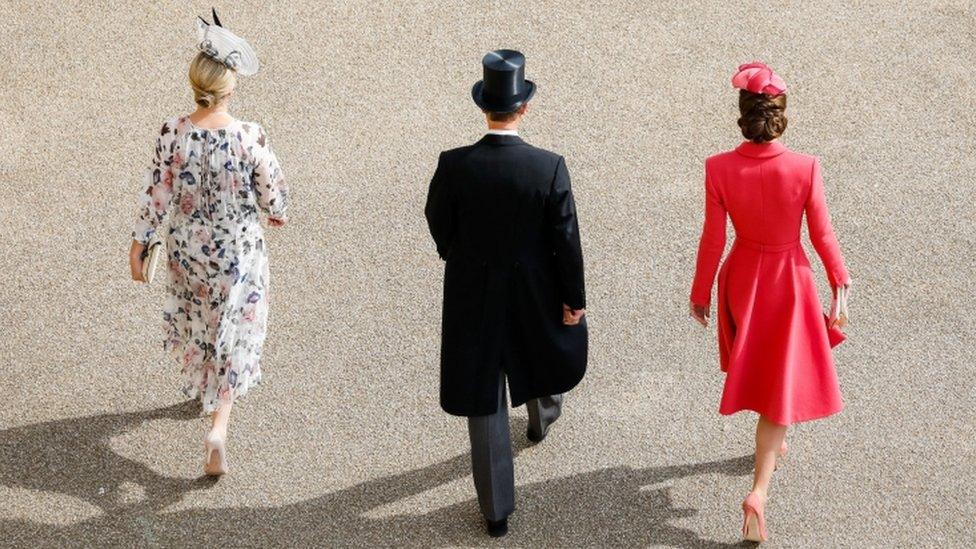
x=213, y=184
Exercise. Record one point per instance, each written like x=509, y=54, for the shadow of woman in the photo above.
x=616, y=506
x=74, y=457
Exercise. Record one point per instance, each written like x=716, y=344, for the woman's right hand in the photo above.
x=699, y=312
x=135, y=260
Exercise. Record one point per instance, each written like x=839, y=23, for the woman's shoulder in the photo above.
x=720, y=158
x=250, y=127
x=721, y=155
x=803, y=162
x=252, y=133
x=172, y=126
x=806, y=158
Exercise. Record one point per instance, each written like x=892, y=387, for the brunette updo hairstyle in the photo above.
x=763, y=116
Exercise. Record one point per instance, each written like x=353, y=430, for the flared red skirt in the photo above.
x=773, y=340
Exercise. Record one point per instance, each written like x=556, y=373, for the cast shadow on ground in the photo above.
x=74, y=457
x=616, y=506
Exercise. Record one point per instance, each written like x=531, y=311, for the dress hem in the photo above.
x=778, y=420
x=196, y=394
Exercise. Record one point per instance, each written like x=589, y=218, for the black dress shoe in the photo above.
x=497, y=528
x=533, y=437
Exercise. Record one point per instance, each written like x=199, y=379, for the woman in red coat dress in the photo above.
x=773, y=338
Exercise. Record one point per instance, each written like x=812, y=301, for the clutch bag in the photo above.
x=838, y=309
x=150, y=257
x=834, y=335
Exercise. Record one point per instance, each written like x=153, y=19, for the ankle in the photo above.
x=218, y=431
x=760, y=492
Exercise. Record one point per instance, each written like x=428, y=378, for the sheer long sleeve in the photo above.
x=710, y=246
x=439, y=211
x=566, y=239
x=822, y=231
x=269, y=181
x=158, y=195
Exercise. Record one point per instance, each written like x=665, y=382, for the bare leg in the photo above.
x=769, y=440
x=221, y=417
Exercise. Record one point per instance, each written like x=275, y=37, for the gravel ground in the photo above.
x=344, y=444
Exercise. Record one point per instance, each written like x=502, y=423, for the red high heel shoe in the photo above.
x=753, y=519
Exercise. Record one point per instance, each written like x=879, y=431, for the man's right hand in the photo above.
x=572, y=317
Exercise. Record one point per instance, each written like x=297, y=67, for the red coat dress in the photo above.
x=772, y=336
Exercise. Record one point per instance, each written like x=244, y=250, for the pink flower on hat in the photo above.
x=756, y=77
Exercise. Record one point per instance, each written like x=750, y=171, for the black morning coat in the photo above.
x=503, y=217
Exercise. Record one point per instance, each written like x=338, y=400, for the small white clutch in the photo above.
x=838, y=305
x=150, y=257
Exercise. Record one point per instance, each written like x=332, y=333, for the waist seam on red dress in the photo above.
x=763, y=247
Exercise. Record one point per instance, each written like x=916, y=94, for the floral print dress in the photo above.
x=213, y=184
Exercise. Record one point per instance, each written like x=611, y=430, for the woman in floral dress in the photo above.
x=213, y=177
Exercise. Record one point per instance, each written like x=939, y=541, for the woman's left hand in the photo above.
x=277, y=221
x=699, y=312
x=135, y=260
x=841, y=319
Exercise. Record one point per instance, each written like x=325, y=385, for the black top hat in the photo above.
x=504, y=88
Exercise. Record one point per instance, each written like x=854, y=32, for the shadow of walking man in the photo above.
x=616, y=506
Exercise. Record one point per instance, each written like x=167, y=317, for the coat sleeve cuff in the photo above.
x=143, y=234
x=703, y=298
x=577, y=301
x=840, y=277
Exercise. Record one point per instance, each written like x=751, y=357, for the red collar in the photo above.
x=761, y=150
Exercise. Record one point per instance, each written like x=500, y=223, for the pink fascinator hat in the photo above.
x=756, y=77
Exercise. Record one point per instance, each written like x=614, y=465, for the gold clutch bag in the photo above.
x=150, y=257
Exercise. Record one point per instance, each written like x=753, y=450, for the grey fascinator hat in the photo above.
x=220, y=44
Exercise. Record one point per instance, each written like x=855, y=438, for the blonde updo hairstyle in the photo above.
x=211, y=80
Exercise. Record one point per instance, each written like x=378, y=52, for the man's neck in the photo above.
x=503, y=126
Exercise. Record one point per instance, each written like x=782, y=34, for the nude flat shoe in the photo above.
x=753, y=518
x=216, y=449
